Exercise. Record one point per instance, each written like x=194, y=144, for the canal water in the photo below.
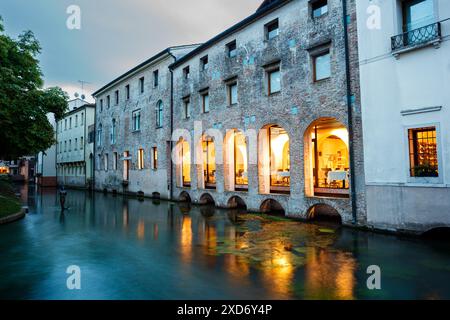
x=127, y=249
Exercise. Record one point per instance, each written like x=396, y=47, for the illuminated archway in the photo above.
x=235, y=161
x=274, y=167
x=326, y=155
x=209, y=162
x=183, y=163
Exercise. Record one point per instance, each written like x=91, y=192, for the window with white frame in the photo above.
x=423, y=152
x=136, y=116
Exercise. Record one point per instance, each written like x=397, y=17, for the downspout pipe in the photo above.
x=350, y=114
x=171, y=127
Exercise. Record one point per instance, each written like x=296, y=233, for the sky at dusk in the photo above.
x=115, y=35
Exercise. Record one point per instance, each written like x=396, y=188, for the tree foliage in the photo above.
x=24, y=104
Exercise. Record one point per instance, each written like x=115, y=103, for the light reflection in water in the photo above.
x=141, y=229
x=186, y=238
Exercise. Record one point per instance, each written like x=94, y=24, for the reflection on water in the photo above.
x=128, y=249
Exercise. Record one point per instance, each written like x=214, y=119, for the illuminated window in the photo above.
x=423, y=155
x=126, y=165
x=209, y=162
x=240, y=161
x=154, y=158
x=280, y=163
x=140, y=163
x=186, y=163
x=330, y=158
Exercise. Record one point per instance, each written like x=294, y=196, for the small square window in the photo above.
x=142, y=84
x=205, y=102
x=319, y=8
x=274, y=81
x=232, y=49
x=272, y=29
x=204, y=63
x=423, y=153
x=186, y=72
x=232, y=93
x=322, y=66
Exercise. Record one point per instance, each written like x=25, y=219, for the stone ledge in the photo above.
x=14, y=217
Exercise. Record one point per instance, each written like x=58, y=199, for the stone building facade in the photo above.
x=260, y=117
x=286, y=38
x=74, y=152
x=133, y=117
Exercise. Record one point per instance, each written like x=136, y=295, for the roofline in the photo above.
x=84, y=106
x=159, y=55
x=238, y=26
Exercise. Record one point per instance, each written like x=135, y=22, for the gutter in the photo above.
x=350, y=114
x=171, y=128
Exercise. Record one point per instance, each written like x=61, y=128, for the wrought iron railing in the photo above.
x=416, y=37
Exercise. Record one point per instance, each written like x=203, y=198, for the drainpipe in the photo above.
x=171, y=128
x=350, y=114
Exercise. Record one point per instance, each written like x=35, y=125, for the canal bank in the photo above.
x=129, y=249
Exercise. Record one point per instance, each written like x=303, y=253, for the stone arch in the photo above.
x=326, y=158
x=236, y=160
x=184, y=197
x=206, y=199
x=323, y=212
x=236, y=202
x=271, y=206
x=274, y=167
x=156, y=195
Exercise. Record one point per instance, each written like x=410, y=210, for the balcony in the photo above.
x=417, y=38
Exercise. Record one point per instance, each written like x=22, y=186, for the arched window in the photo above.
x=159, y=114
x=113, y=131
x=99, y=134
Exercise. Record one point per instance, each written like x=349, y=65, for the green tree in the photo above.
x=24, y=104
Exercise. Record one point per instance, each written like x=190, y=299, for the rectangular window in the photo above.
x=76, y=144
x=126, y=165
x=204, y=63
x=155, y=78
x=81, y=143
x=70, y=145
x=65, y=124
x=417, y=14
x=322, y=66
x=99, y=162
x=186, y=72
x=274, y=79
x=76, y=121
x=187, y=108
x=423, y=155
x=106, y=162
x=136, y=116
x=82, y=119
x=141, y=84
x=116, y=94
x=319, y=8
x=232, y=49
x=65, y=146
x=115, y=160
x=108, y=102
x=232, y=94
x=101, y=105
x=70, y=123
x=272, y=29
x=141, y=159
x=127, y=91
x=205, y=102
x=154, y=158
